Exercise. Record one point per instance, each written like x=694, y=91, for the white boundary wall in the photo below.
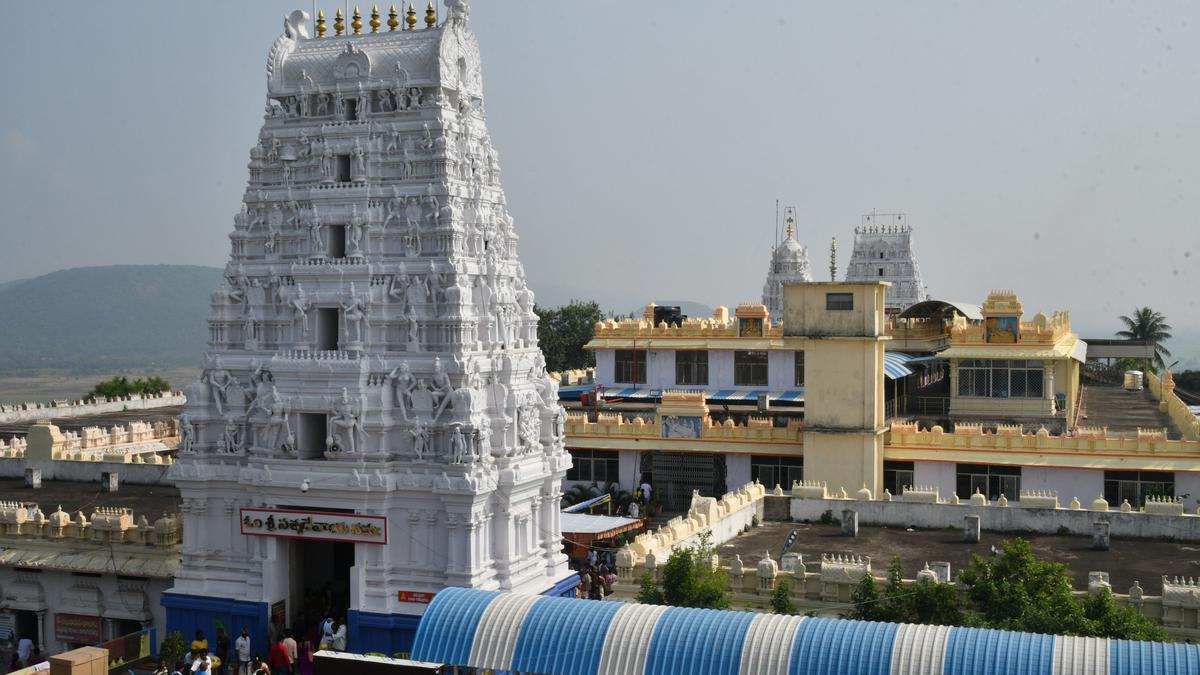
x=31, y=412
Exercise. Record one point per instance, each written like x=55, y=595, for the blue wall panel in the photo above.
x=828, y=646
x=388, y=634
x=187, y=613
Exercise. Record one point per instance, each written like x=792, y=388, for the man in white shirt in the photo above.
x=646, y=491
x=242, y=647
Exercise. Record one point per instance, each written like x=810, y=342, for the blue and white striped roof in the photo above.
x=653, y=393
x=563, y=636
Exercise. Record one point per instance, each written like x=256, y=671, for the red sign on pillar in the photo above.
x=414, y=596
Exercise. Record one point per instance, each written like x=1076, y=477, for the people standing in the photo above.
x=338, y=642
x=222, y=652
x=277, y=656
x=326, y=633
x=289, y=643
x=24, y=650
x=199, y=645
x=242, y=646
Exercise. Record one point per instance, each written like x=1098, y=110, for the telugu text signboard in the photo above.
x=322, y=526
x=415, y=596
x=76, y=628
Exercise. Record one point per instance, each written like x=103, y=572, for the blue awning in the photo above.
x=716, y=395
x=575, y=508
x=895, y=365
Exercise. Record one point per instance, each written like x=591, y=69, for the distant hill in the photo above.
x=98, y=319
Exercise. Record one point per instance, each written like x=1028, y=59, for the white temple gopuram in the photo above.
x=883, y=251
x=374, y=421
x=789, y=265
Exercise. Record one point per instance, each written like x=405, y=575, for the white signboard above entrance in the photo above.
x=349, y=527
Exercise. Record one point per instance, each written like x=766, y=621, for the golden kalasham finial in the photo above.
x=789, y=222
x=392, y=20
x=411, y=18
x=375, y=22
x=338, y=24
x=321, y=23
x=430, y=15
x=356, y=24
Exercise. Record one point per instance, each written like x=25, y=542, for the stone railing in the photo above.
x=615, y=425
x=824, y=587
x=1036, y=511
x=576, y=376
x=140, y=443
x=1042, y=330
x=26, y=412
x=690, y=328
x=1179, y=412
x=107, y=525
x=724, y=518
x=1090, y=441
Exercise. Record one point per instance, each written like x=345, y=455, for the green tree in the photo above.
x=1150, y=326
x=173, y=647
x=119, y=386
x=649, y=593
x=1015, y=590
x=934, y=603
x=865, y=599
x=1108, y=619
x=781, y=597
x=689, y=579
x=563, y=331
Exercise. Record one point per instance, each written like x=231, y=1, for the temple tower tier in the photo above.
x=883, y=251
x=373, y=381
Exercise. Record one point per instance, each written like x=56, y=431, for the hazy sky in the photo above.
x=1050, y=148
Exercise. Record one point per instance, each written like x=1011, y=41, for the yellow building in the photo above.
x=1013, y=415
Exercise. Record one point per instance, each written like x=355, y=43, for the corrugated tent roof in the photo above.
x=562, y=636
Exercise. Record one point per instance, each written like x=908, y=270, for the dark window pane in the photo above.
x=750, y=369
x=839, y=301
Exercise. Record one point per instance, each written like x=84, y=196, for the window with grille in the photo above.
x=1135, y=486
x=691, y=368
x=597, y=466
x=990, y=480
x=799, y=369
x=750, y=369
x=630, y=366
x=1000, y=378
x=772, y=470
x=839, y=301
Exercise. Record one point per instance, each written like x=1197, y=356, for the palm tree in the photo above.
x=1150, y=326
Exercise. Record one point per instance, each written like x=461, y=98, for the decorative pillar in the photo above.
x=41, y=630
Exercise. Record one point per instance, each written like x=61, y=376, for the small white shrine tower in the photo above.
x=789, y=265
x=374, y=421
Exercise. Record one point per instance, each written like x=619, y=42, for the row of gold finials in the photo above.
x=393, y=21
